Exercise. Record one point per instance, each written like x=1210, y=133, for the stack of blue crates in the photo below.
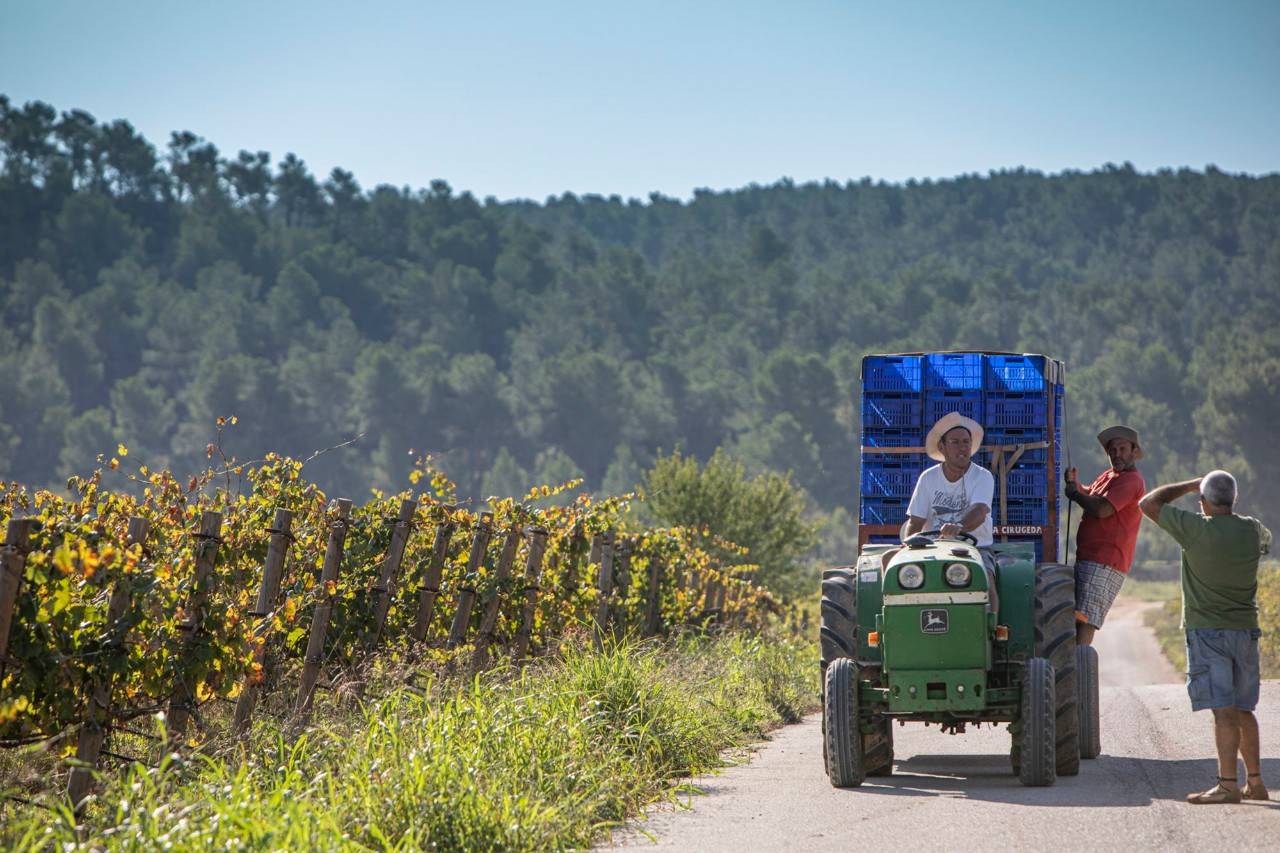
x=902, y=397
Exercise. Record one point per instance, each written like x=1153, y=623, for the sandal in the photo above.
x=1255, y=791
x=1217, y=795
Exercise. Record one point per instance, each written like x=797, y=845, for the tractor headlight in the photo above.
x=958, y=574
x=911, y=576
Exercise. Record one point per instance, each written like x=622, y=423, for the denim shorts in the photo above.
x=1222, y=668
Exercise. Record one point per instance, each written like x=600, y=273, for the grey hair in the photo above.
x=1218, y=488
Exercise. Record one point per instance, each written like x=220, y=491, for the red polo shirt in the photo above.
x=1110, y=540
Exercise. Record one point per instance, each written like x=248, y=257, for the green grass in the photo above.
x=1152, y=590
x=544, y=758
x=1164, y=621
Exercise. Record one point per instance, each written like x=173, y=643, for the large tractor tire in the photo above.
x=877, y=749
x=839, y=628
x=1037, y=761
x=842, y=736
x=1056, y=643
x=1087, y=697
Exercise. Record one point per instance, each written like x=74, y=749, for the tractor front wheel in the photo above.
x=1037, y=734
x=842, y=735
x=1087, y=697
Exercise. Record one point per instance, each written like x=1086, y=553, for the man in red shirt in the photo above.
x=1109, y=529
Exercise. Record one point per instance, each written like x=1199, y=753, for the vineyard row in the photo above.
x=257, y=594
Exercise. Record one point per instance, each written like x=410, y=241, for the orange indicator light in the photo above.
x=873, y=638
x=1002, y=633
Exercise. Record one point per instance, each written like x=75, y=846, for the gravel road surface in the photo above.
x=958, y=793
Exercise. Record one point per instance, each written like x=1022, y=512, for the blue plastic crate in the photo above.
x=1028, y=480
x=891, y=474
x=939, y=403
x=953, y=371
x=1022, y=511
x=1016, y=409
x=881, y=410
x=891, y=373
x=1019, y=435
x=882, y=539
x=893, y=437
x=883, y=510
x=1015, y=373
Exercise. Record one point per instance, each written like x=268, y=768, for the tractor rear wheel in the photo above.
x=1037, y=764
x=1056, y=643
x=842, y=734
x=877, y=749
x=1087, y=696
x=839, y=628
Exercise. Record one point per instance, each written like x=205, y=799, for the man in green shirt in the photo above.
x=1220, y=553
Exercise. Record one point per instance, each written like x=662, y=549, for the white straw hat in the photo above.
x=948, y=422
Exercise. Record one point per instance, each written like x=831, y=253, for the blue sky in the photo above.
x=534, y=99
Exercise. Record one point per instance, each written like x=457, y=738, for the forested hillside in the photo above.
x=146, y=291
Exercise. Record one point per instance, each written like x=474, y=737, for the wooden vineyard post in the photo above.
x=597, y=549
x=572, y=553
x=324, y=608
x=734, y=613
x=717, y=609
x=490, y=619
x=94, y=731
x=621, y=583
x=385, y=589
x=467, y=591
x=13, y=560
x=532, y=569
x=431, y=581
x=652, y=612
x=272, y=572
x=693, y=604
x=181, y=701
x=605, y=586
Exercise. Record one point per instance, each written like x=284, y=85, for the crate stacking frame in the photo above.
x=1019, y=400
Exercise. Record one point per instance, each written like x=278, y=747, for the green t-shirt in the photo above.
x=1220, y=556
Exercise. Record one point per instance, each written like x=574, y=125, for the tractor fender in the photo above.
x=1017, y=587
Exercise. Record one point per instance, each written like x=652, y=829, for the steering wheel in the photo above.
x=973, y=540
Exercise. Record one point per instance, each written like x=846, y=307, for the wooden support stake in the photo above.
x=182, y=700
x=385, y=588
x=605, y=586
x=532, y=568
x=622, y=583
x=653, y=613
x=572, y=553
x=94, y=731
x=467, y=591
x=490, y=619
x=431, y=582
x=324, y=608
x=13, y=559
x=272, y=572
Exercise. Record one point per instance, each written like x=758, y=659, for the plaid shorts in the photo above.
x=1097, y=586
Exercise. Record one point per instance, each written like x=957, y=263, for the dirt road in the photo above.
x=957, y=792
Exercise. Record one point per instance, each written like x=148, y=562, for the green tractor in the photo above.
x=936, y=636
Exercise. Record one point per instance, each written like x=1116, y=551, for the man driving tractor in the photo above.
x=954, y=497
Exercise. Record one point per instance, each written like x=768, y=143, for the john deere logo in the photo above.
x=933, y=621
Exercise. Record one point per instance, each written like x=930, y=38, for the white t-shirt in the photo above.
x=939, y=501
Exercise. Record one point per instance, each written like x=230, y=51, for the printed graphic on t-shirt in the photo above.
x=949, y=506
